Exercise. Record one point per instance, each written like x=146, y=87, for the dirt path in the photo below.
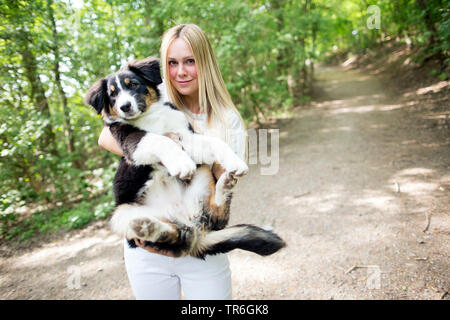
x=359, y=171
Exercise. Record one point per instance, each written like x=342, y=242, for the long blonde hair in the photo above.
x=214, y=98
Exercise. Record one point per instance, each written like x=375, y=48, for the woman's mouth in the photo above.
x=183, y=82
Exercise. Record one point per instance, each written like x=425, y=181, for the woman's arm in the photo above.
x=141, y=244
x=107, y=141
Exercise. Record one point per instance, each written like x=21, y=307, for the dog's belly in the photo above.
x=166, y=197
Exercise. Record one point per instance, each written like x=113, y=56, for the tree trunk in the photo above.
x=57, y=72
x=314, y=30
x=428, y=20
x=37, y=94
x=434, y=39
x=303, y=74
x=149, y=5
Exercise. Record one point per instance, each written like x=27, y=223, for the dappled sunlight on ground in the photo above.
x=417, y=188
x=360, y=109
x=48, y=256
x=415, y=181
x=377, y=200
x=368, y=108
x=327, y=130
x=69, y=268
x=432, y=88
x=360, y=100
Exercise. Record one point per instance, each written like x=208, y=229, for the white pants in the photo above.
x=154, y=276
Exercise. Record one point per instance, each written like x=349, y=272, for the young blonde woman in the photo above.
x=193, y=82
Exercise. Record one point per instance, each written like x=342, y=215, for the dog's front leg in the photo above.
x=207, y=150
x=153, y=148
x=145, y=148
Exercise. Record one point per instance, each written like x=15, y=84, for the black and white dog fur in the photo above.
x=167, y=195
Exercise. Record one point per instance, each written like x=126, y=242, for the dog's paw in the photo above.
x=227, y=180
x=224, y=188
x=143, y=228
x=234, y=165
x=153, y=230
x=180, y=165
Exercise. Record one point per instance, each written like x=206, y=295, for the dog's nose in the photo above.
x=125, y=107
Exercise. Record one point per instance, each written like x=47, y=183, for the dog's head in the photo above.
x=129, y=92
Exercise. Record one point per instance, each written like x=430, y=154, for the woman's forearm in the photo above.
x=107, y=141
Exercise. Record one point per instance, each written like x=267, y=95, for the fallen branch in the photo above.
x=302, y=194
x=357, y=266
x=428, y=215
x=422, y=259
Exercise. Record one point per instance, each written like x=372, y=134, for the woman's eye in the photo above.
x=172, y=63
x=190, y=61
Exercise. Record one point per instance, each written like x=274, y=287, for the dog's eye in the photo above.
x=133, y=85
x=113, y=93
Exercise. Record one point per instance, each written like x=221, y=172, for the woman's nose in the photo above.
x=181, y=70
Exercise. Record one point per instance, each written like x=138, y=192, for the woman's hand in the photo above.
x=141, y=244
x=175, y=138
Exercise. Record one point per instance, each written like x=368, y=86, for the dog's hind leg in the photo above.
x=216, y=208
x=205, y=206
x=134, y=221
x=153, y=230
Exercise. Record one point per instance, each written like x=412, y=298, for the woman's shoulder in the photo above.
x=234, y=119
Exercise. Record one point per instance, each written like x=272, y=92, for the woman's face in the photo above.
x=182, y=70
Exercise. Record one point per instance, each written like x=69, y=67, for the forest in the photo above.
x=54, y=175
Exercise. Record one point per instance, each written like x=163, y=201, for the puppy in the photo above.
x=166, y=195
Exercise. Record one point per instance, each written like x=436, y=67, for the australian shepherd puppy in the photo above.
x=167, y=195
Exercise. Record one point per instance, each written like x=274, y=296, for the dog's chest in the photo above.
x=163, y=120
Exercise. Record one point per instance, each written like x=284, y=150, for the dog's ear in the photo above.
x=97, y=96
x=148, y=68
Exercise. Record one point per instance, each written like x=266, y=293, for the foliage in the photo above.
x=50, y=220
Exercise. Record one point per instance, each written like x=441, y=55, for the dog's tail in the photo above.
x=243, y=236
